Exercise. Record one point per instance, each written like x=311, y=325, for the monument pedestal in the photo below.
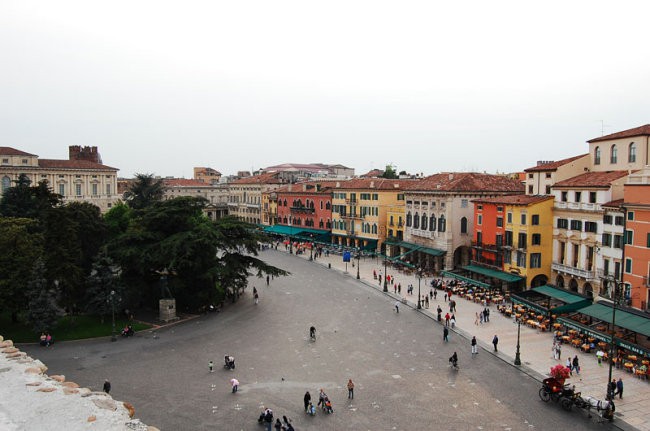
x=167, y=310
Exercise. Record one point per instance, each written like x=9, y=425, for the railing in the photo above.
x=351, y=202
x=352, y=216
x=305, y=210
x=584, y=206
x=583, y=273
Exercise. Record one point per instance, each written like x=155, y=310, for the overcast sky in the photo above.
x=428, y=86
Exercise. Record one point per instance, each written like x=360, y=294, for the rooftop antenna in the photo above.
x=602, y=127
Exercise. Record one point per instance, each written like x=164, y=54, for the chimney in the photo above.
x=372, y=184
x=451, y=177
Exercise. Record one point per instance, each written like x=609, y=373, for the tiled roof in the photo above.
x=182, y=182
x=266, y=178
x=72, y=164
x=637, y=131
x=373, y=173
x=466, y=182
x=613, y=204
x=373, y=184
x=325, y=187
x=8, y=151
x=554, y=165
x=592, y=179
x=515, y=199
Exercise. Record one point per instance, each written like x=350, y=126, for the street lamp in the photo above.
x=517, y=356
x=113, y=338
x=616, y=297
x=385, y=273
x=358, y=261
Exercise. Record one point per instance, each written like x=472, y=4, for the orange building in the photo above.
x=636, y=256
x=489, y=228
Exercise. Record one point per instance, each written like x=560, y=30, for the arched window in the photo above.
x=613, y=156
x=416, y=221
x=327, y=206
x=321, y=204
x=311, y=204
x=432, y=223
x=409, y=217
x=631, y=157
x=442, y=224
x=463, y=225
x=597, y=156
x=320, y=223
x=285, y=202
x=285, y=221
x=424, y=222
x=6, y=183
x=374, y=228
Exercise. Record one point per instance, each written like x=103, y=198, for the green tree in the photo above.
x=103, y=283
x=21, y=243
x=41, y=309
x=117, y=219
x=23, y=200
x=390, y=172
x=91, y=231
x=144, y=191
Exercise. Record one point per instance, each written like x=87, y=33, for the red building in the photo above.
x=489, y=231
x=307, y=209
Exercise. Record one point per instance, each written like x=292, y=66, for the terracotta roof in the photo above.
x=515, y=199
x=8, y=151
x=466, y=182
x=637, y=131
x=613, y=204
x=373, y=173
x=373, y=184
x=265, y=178
x=72, y=164
x=592, y=179
x=552, y=166
x=182, y=182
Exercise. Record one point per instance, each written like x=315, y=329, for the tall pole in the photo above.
x=113, y=338
x=615, y=298
x=419, y=272
x=358, y=262
x=517, y=353
x=385, y=274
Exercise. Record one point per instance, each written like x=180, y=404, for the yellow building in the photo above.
x=360, y=211
x=529, y=238
x=395, y=216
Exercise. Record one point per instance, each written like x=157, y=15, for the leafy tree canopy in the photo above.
x=390, y=172
x=144, y=191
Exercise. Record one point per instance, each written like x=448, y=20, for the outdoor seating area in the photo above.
x=526, y=316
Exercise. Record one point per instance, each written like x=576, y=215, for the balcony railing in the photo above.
x=352, y=216
x=484, y=246
x=304, y=210
x=577, y=272
x=583, y=206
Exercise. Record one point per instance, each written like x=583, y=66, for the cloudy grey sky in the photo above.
x=163, y=86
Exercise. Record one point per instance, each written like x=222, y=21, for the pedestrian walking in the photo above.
x=445, y=334
x=453, y=306
x=107, y=386
x=267, y=280
x=453, y=321
x=397, y=307
x=395, y=289
x=426, y=301
x=257, y=298
x=447, y=317
x=435, y=294
x=611, y=389
x=445, y=297
x=287, y=424
x=487, y=314
x=476, y=319
x=350, y=389
x=210, y=366
x=495, y=341
x=439, y=310
x=278, y=425
x=307, y=400
x=235, y=385
x=480, y=317
x=576, y=365
x=569, y=365
x=474, y=347
x=431, y=293
x=619, y=388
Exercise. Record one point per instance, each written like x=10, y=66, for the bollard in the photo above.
x=329, y=265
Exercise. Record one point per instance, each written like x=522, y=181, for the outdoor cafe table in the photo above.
x=628, y=366
x=557, y=325
x=566, y=338
x=576, y=342
x=632, y=357
x=572, y=331
x=602, y=344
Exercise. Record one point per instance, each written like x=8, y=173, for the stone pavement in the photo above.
x=535, y=346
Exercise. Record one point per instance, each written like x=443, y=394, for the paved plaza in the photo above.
x=398, y=362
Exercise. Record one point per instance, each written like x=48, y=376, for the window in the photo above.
x=613, y=155
x=535, y=260
x=507, y=256
x=592, y=197
x=531, y=176
x=521, y=259
x=499, y=240
x=607, y=219
x=548, y=190
x=576, y=224
x=565, y=196
x=479, y=220
x=463, y=225
x=591, y=226
x=463, y=203
x=499, y=209
x=628, y=265
x=607, y=240
x=479, y=207
x=522, y=240
x=647, y=241
x=597, y=156
x=631, y=155
x=530, y=190
x=62, y=189
x=548, y=175
x=416, y=221
x=619, y=221
x=535, y=220
x=499, y=221
x=108, y=189
x=6, y=183
x=508, y=238
x=523, y=219
x=5, y=161
x=536, y=239
x=562, y=223
x=509, y=217
x=618, y=241
x=432, y=223
x=77, y=189
x=442, y=224
x=94, y=189
x=630, y=215
x=629, y=237
x=24, y=161
x=578, y=196
x=423, y=221
x=409, y=218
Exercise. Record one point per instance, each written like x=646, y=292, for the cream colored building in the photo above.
x=81, y=178
x=216, y=194
x=626, y=150
x=540, y=178
x=245, y=196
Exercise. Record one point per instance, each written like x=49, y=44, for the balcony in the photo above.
x=484, y=246
x=352, y=216
x=578, y=206
x=576, y=272
x=351, y=202
x=302, y=210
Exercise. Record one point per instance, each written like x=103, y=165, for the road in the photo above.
x=398, y=362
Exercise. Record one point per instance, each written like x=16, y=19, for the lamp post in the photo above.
x=517, y=353
x=419, y=274
x=616, y=298
x=358, y=261
x=385, y=273
x=311, y=252
x=113, y=338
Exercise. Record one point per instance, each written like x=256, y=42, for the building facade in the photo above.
x=540, y=178
x=216, y=194
x=245, y=196
x=306, y=205
x=81, y=178
x=626, y=150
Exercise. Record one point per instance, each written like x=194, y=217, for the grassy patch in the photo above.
x=68, y=328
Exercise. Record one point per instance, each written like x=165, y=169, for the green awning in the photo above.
x=493, y=273
x=640, y=350
x=279, y=229
x=624, y=319
x=465, y=279
x=431, y=251
x=559, y=294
